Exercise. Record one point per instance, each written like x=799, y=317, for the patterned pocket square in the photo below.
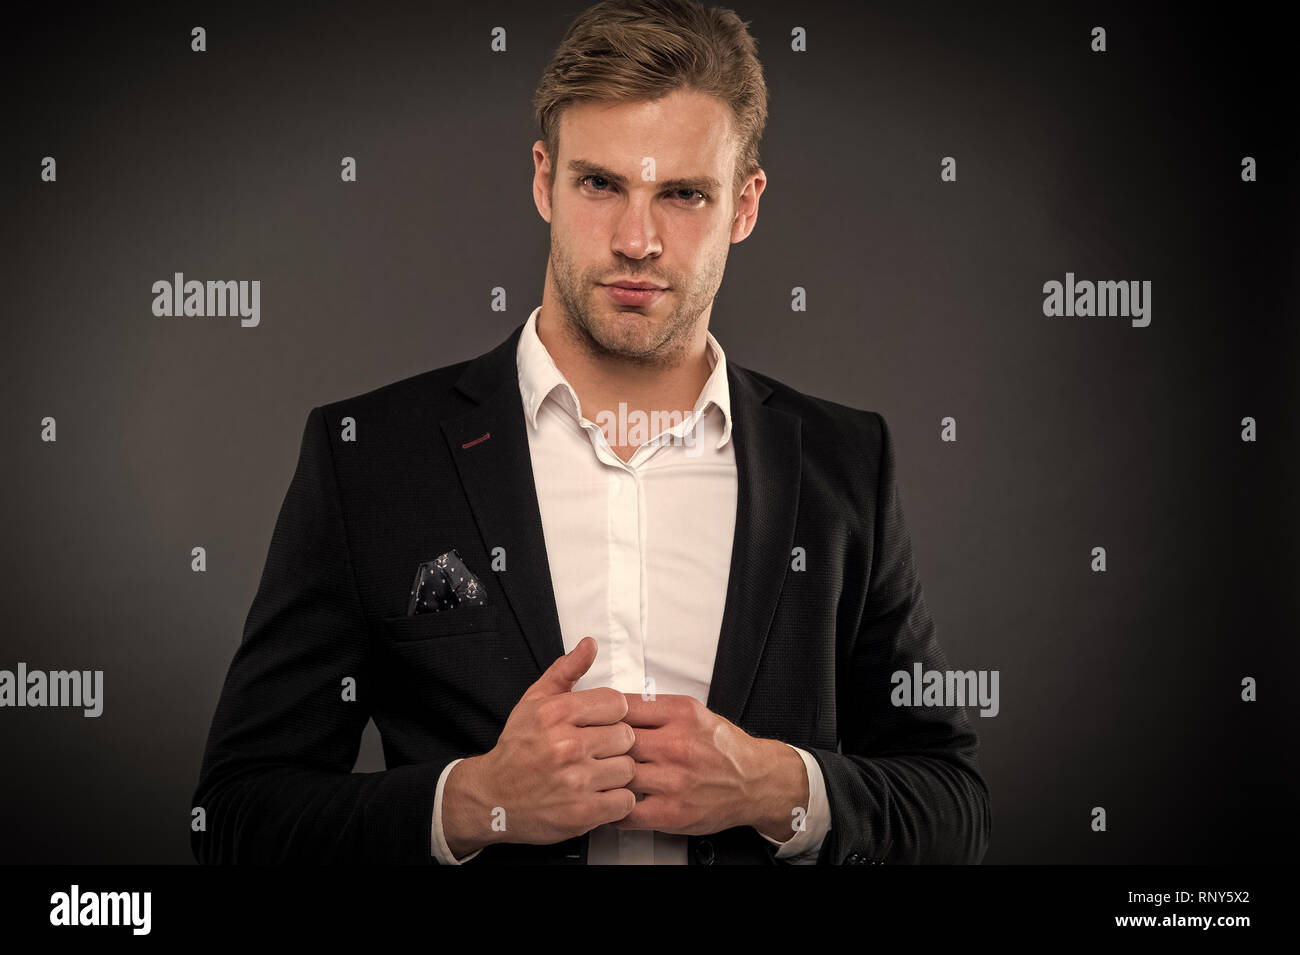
x=445, y=583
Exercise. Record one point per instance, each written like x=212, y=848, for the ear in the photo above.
x=543, y=180
x=747, y=206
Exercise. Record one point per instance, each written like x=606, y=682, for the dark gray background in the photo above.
x=1118, y=689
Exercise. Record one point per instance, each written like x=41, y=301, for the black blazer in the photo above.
x=804, y=656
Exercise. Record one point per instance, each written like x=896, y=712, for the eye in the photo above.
x=691, y=196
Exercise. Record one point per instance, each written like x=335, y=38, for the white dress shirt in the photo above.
x=640, y=554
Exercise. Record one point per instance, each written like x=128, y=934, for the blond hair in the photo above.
x=635, y=50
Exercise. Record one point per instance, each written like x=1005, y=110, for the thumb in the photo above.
x=565, y=671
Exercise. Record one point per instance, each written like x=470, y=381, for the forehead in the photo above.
x=683, y=129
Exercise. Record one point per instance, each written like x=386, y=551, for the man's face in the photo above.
x=673, y=230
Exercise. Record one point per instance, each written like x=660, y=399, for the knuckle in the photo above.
x=615, y=699
x=571, y=778
x=564, y=748
x=551, y=710
x=696, y=710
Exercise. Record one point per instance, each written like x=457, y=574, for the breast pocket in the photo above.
x=443, y=624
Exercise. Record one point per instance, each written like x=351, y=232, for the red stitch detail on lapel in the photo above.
x=483, y=437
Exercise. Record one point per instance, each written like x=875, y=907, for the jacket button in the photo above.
x=704, y=852
x=853, y=859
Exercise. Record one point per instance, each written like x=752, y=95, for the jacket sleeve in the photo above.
x=904, y=785
x=276, y=783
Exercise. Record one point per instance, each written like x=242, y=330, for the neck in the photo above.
x=602, y=382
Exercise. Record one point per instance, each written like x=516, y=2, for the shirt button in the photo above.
x=704, y=852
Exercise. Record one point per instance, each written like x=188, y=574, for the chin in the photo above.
x=625, y=330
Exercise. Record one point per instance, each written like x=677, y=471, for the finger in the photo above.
x=648, y=746
x=650, y=778
x=564, y=672
x=649, y=813
x=656, y=712
x=600, y=742
x=612, y=773
x=599, y=706
x=614, y=804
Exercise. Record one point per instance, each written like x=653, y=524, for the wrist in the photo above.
x=467, y=807
x=782, y=789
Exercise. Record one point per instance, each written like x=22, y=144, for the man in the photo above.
x=687, y=632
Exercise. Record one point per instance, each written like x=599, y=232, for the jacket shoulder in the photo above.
x=826, y=424
x=436, y=386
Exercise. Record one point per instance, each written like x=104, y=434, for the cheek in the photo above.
x=699, y=237
x=585, y=233
x=590, y=217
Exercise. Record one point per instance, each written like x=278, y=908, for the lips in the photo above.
x=633, y=294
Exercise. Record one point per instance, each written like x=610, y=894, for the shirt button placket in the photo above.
x=622, y=565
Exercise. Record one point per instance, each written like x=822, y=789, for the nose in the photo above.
x=635, y=234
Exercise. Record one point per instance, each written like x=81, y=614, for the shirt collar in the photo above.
x=539, y=377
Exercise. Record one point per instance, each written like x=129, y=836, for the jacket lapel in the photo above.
x=489, y=445
x=767, y=474
x=497, y=474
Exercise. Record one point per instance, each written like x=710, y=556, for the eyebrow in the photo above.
x=705, y=184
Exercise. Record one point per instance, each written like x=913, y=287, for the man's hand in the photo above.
x=559, y=768
x=701, y=773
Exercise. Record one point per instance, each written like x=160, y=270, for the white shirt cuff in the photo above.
x=805, y=845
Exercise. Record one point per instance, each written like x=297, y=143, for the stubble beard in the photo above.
x=607, y=331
